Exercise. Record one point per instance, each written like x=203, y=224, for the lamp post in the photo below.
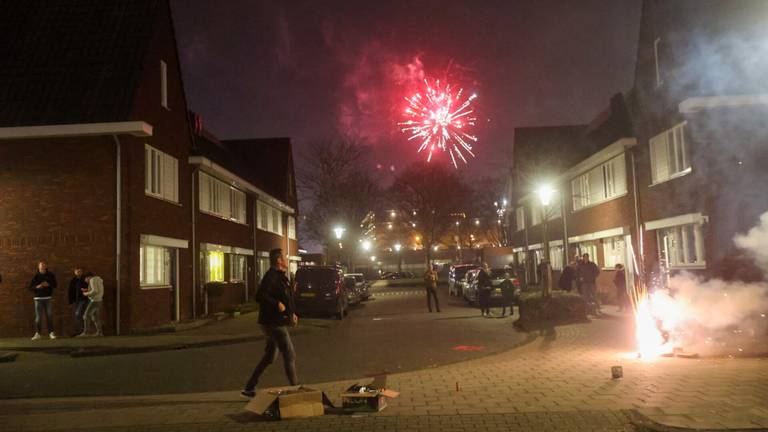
x=338, y=231
x=545, y=193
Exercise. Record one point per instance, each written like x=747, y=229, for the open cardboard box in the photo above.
x=289, y=402
x=369, y=401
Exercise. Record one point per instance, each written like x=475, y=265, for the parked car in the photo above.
x=455, y=275
x=321, y=289
x=398, y=275
x=354, y=291
x=498, y=278
x=361, y=284
x=468, y=285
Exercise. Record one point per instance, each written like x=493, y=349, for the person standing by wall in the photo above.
x=95, y=292
x=484, y=290
x=277, y=312
x=566, y=278
x=42, y=286
x=620, y=282
x=430, y=284
x=587, y=276
x=77, y=300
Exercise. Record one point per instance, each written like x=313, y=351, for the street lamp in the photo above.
x=339, y=232
x=366, y=245
x=545, y=193
x=397, y=247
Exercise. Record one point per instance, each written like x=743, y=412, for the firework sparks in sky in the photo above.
x=441, y=120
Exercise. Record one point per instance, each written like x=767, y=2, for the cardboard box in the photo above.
x=289, y=402
x=372, y=398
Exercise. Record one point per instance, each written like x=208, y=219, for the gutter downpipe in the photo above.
x=118, y=230
x=638, y=226
x=194, y=256
x=566, y=246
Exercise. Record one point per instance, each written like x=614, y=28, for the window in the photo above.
x=213, y=266
x=588, y=248
x=520, y=218
x=263, y=265
x=161, y=174
x=163, y=84
x=269, y=218
x=291, y=228
x=556, y=257
x=602, y=183
x=656, y=44
x=220, y=199
x=614, y=251
x=682, y=246
x=237, y=268
x=668, y=158
x=154, y=266
x=536, y=213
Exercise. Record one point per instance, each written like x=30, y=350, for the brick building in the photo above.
x=99, y=167
x=676, y=167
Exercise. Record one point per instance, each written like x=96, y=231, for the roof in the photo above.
x=72, y=61
x=267, y=163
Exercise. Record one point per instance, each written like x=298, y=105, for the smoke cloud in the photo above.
x=717, y=317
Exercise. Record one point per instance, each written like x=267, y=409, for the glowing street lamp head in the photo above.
x=366, y=244
x=545, y=193
x=339, y=232
x=398, y=246
x=373, y=259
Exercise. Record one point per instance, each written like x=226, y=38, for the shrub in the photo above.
x=560, y=308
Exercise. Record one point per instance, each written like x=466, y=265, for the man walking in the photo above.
x=277, y=312
x=42, y=286
x=430, y=284
x=484, y=290
x=77, y=300
x=587, y=276
x=94, y=292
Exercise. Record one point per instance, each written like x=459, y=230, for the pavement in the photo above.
x=561, y=380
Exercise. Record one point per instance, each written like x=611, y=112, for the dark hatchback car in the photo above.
x=321, y=290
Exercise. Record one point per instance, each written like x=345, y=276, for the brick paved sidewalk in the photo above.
x=561, y=381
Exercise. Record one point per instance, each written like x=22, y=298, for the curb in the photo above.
x=645, y=424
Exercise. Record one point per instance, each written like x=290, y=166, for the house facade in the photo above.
x=99, y=168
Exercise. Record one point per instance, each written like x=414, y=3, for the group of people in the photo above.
x=86, y=292
x=484, y=288
x=583, y=274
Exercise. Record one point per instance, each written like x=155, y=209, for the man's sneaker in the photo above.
x=248, y=394
x=36, y=336
x=52, y=335
x=82, y=335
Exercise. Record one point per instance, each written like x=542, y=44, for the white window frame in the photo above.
x=674, y=244
x=154, y=266
x=589, y=247
x=238, y=268
x=657, y=64
x=161, y=175
x=614, y=251
x=269, y=218
x=608, y=182
x=291, y=227
x=217, y=198
x=667, y=150
x=520, y=218
x=537, y=213
x=556, y=256
x=164, y=84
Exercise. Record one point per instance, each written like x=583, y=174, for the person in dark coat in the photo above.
x=587, y=275
x=620, y=282
x=566, y=278
x=77, y=300
x=508, y=294
x=42, y=286
x=277, y=312
x=430, y=284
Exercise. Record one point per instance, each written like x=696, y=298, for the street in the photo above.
x=392, y=332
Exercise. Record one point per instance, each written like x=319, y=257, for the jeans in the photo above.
x=432, y=294
x=92, y=313
x=79, y=307
x=589, y=291
x=43, y=307
x=278, y=338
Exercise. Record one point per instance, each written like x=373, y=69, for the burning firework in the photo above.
x=441, y=120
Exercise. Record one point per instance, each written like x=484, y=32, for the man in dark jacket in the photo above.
x=430, y=284
x=587, y=275
x=42, y=286
x=77, y=300
x=484, y=287
x=277, y=312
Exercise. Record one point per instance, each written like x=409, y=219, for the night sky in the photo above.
x=308, y=69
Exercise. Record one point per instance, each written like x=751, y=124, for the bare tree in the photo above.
x=336, y=188
x=430, y=193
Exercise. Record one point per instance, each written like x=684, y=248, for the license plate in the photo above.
x=307, y=294
x=498, y=290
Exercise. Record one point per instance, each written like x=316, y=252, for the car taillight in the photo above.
x=515, y=282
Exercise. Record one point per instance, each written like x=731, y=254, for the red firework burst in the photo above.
x=441, y=120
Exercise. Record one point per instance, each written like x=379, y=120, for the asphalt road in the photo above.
x=393, y=332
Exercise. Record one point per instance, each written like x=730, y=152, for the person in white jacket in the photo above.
x=94, y=292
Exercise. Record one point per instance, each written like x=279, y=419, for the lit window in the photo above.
x=154, y=266
x=214, y=270
x=614, y=250
x=682, y=246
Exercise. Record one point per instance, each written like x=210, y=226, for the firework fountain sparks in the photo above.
x=441, y=120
